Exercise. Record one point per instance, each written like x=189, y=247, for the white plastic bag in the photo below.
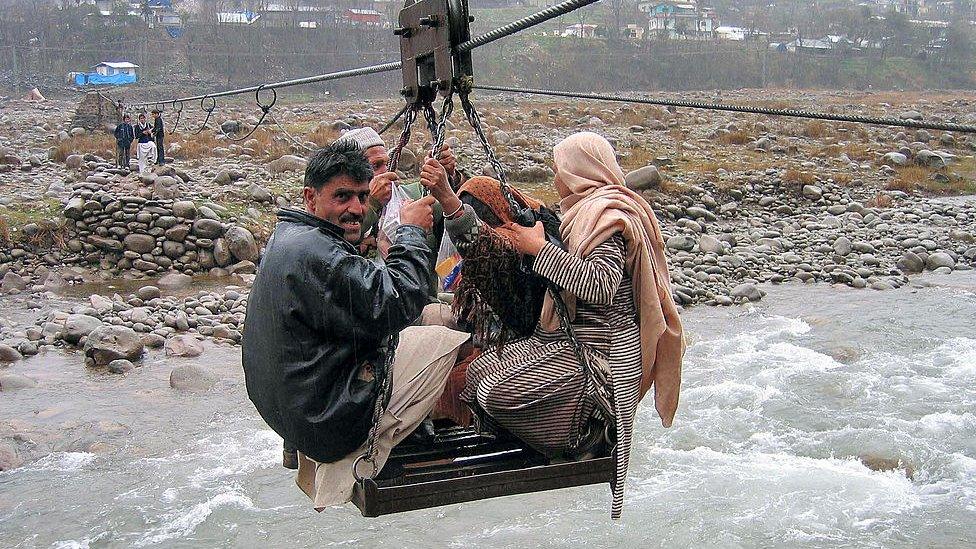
x=448, y=264
x=389, y=220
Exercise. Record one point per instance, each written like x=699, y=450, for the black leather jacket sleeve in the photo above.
x=374, y=299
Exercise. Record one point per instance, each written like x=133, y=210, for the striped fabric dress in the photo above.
x=535, y=387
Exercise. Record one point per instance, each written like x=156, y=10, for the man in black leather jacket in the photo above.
x=319, y=317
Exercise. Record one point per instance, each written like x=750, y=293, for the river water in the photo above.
x=783, y=403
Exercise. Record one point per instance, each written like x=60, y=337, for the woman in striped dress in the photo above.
x=617, y=289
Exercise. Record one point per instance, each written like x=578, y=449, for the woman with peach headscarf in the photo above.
x=617, y=291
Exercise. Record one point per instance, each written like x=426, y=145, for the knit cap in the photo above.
x=364, y=137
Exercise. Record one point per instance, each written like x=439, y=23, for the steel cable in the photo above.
x=522, y=24
x=795, y=113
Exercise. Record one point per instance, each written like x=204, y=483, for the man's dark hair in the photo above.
x=124, y=116
x=340, y=158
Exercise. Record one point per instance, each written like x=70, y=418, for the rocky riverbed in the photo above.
x=113, y=266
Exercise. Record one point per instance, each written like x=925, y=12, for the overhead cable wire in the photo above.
x=794, y=113
x=520, y=25
x=362, y=71
x=496, y=34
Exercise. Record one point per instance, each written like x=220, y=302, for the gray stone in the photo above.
x=121, y=366
x=644, y=178
x=10, y=381
x=185, y=209
x=230, y=126
x=183, y=345
x=842, y=246
x=747, y=291
x=895, y=159
x=207, y=228
x=681, y=243
x=241, y=244
x=9, y=354
x=12, y=281
x=910, y=263
x=259, y=193
x=242, y=267
x=166, y=188
x=191, y=377
x=939, y=259
x=79, y=326
x=710, y=244
x=147, y=293
x=175, y=281
x=139, y=243
x=813, y=192
x=221, y=253
x=74, y=161
x=108, y=342
x=291, y=163
x=75, y=208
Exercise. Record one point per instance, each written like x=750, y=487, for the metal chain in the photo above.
x=379, y=408
x=475, y=121
x=411, y=115
x=385, y=374
x=794, y=113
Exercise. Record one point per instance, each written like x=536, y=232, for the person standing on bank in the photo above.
x=320, y=317
x=124, y=136
x=158, y=134
x=146, y=147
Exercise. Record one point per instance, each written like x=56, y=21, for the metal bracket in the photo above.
x=429, y=31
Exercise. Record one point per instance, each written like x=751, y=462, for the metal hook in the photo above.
x=264, y=112
x=257, y=98
x=179, y=114
x=210, y=110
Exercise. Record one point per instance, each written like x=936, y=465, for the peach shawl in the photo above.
x=595, y=206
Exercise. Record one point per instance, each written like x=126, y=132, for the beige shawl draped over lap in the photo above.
x=596, y=205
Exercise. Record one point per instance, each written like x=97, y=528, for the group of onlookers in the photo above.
x=149, y=139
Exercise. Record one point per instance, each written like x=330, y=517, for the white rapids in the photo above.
x=820, y=417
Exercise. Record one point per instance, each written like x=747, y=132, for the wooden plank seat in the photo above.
x=463, y=466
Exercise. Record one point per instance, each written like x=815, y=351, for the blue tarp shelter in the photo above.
x=95, y=79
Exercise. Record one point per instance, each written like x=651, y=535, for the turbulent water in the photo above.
x=782, y=405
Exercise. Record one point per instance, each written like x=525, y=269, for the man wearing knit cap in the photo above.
x=381, y=186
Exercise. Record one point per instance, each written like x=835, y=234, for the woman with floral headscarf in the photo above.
x=617, y=291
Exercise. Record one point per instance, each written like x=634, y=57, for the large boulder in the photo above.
x=166, y=188
x=12, y=281
x=79, y=326
x=644, y=178
x=184, y=346
x=192, y=377
x=681, y=243
x=241, y=243
x=895, y=159
x=139, y=243
x=175, y=281
x=74, y=161
x=910, y=263
x=108, y=342
x=747, y=291
x=9, y=354
x=221, y=253
x=185, y=209
x=939, y=259
x=207, y=228
x=711, y=245
x=291, y=163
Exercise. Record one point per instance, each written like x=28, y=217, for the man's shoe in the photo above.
x=289, y=460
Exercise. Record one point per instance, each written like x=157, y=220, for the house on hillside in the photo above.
x=369, y=18
x=108, y=73
x=110, y=68
x=680, y=20
x=735, y=34
x=578, y=30
x=237, y=17
x=809, y=45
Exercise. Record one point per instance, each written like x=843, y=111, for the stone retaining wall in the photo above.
x=154, y=236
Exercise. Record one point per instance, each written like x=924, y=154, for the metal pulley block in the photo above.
x=429, y=32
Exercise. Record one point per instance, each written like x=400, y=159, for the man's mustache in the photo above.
x=350, y=218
